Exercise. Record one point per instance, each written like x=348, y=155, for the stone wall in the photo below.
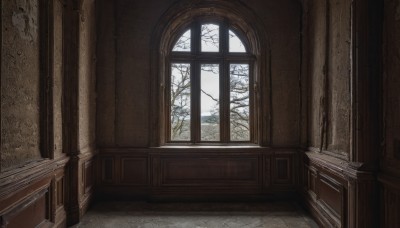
x=330, y=75
x=20, y=83
x=87, y=76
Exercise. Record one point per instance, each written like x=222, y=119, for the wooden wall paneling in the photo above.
x=86, y=179
x=134, y=171
x=34, y=196
x=327, y=200
x=331, y=196
x=194, y=172
x=107, y=165
x=58, y=196
x=340, y=195
x=283, y=169
x=202, y=170
x=80, y=184
x=389, y=200
x=366, y=81
x=88, y=176
x=267, y=171
x=33, y=212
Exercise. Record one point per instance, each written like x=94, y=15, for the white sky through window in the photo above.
x=183, y=44
x=235, y=44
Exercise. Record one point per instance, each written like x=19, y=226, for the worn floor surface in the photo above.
x=196, y=215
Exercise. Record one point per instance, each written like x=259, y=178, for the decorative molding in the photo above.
x=81, y=181
x=23, y=177
x=178, y=172
x=327, y=180
x=27, y=187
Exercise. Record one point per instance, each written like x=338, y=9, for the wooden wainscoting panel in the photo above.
x=60, y=193
x=331, y=194
x=31, y=213
x=206, y=170
x=341, y=195
x=107, y=170
x=88, y=176
x=283, y=170
x=58, y=186
x=267, y=172
x=134, y=171
x=182, y=172
x=34, y=196
x=390, y=201
x=313, y=176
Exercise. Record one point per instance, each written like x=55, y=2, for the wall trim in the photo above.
x=23, y=177
x=235, y=172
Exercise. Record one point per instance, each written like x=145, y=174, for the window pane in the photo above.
x=183, y=44
x=180, y=102
x=210, y=102
x=235, y=44
x=239, y=102
x=210, y=38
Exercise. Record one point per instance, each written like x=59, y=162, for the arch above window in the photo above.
x=239, y=34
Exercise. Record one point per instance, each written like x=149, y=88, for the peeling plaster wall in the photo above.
x=329, y=37
x=58, y=78
x=125, y=29
x=87, y=79
x=20, y=69
x=339, y=95
x=391, y=85
x=317, y=45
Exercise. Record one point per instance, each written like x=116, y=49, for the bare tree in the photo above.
x=183, y=44
x=180, y=102
x=239, y=102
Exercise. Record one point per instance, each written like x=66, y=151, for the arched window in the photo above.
x=209, y=86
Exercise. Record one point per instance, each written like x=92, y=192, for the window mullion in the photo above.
x=253, y=105
x=196, y=86
x=224, y=118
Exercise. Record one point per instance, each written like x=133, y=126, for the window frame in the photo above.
x=224, y=58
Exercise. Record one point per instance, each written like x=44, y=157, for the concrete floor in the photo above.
x=196, y=215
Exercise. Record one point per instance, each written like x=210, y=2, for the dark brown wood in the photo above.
x=390, y=201
x=134, y=171
x=29, y=195
x=81, y=182
x=196, y=171
x=334, y=190
x=31, y=213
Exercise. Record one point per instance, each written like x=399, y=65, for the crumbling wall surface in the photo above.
x=58, y=79
x=20, y=131
x=87, y=79
x=391, y=85
x=124, y=73
x=339, y=96
x=317, y=45
x=330, y=75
